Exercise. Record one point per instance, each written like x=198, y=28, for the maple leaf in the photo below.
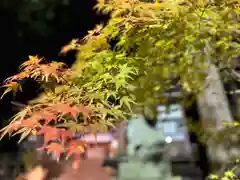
x=75, y=147
x=127, y=101
x=53, y=147
x=66, y=109
x=16, y=77
x=49, y=70
x=26, y=111
x=65, y=135
x=14, y=126
x=33, y=60
x=96, y=31
x=49, y=133
x=58, y=65
x=30, y=123
x=10, y=128
x=74, y=127
x=69, y=47
x=23, y=127
x=24, y=133
x=11, y=86
x=45, y=71
x=65, y=49
x=45, y=115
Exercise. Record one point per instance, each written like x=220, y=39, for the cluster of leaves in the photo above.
x=229, y=138
x=35, y=68
x=228, y=175
x=229, y=172
x=170, y=42
x=145, y=49
x=64, y=108
x=41, y=118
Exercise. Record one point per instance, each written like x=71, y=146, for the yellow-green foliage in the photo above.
x=162, y=41
x=227, y=175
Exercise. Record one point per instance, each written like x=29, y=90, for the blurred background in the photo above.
x=43, y=27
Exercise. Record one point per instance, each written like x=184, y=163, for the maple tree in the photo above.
x=145, y=49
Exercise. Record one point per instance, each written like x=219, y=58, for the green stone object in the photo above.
x=137, y=168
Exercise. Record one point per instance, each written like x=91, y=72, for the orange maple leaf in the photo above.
x=33, y=60
x=30, y=123
x=53, y=147
x=49, y=70
x=75, y=147
x=45, y=115
x=11, y=86
x=65, y=49
x=57, y=65
x=14, y=126
x=69, y=47
x=49, y=133
x=17, y=77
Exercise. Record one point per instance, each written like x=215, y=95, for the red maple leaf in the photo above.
x=45, y=115
x=49, y=133
x=65, y=135
x=65, y=109
x=56, y=148
x=48, y=116
x=75, y=147
x=44, y=71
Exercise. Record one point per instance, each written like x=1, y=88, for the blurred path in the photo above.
x=90, y=168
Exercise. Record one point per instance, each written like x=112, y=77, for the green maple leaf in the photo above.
x=127, y=101
x=72, y=126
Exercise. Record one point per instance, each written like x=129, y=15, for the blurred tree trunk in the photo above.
x=213, y=103
x=214, y=110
